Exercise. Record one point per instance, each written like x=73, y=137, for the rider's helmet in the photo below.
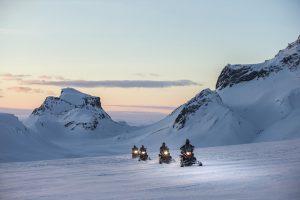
x=163, y=144
x=187, y=141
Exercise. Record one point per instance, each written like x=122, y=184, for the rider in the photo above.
x=163, y=148
x=187, y=147
x=134, y=148
x=143, y=148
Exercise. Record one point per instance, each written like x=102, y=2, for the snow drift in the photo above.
x=18, y=143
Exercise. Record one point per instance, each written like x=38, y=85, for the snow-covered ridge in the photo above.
x=286, y=59
x=12, y=123
x=201, y=99
x=18, y=143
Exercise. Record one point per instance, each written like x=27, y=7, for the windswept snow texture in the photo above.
x=252, y=171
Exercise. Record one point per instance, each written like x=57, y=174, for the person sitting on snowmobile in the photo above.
x=187, y=147
x=143, y=148
x=164, y=155
x=163, y=148
x=187, y=155
x=135, y=152
x=143, y=153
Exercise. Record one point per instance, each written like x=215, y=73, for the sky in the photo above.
x=143, y=58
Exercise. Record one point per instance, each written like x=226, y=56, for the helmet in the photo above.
x=187, y=141
x=164, y=144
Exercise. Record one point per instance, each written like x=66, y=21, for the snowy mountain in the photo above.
x=267, y=94
x=254, y=102
x=73, y=112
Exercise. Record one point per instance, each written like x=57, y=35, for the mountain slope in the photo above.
x=204, y=119
x=18, y=143
x=252, y=103
x=269, y=102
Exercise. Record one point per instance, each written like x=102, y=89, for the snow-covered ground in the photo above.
x=268, y=170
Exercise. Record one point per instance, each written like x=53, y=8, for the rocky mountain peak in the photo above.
x=288, y=58
x=78, y=98
x=74, y=109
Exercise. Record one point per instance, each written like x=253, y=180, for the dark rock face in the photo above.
x=230, y=76
x=93, y=101
x=202, y=99
x=288, y=58
x=92, y=125
x=292, y=61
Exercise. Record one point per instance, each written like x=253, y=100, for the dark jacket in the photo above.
x=187, y=147
x=143, y=149
x=163, y=148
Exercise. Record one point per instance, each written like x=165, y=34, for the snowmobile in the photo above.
x=135, y=152
x=188, y=159
x=165, y=157
x=143, y=155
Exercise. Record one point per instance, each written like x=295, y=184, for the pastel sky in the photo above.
x=137, y=55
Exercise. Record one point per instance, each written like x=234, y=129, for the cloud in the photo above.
x=14, y=77
x=113, y=83
x=25, y=89
x=63, y=82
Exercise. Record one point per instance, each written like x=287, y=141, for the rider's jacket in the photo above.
x=143, y=149
x=163, y=148
x=187, y=148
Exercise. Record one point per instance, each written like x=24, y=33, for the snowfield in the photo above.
x=269, y=170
